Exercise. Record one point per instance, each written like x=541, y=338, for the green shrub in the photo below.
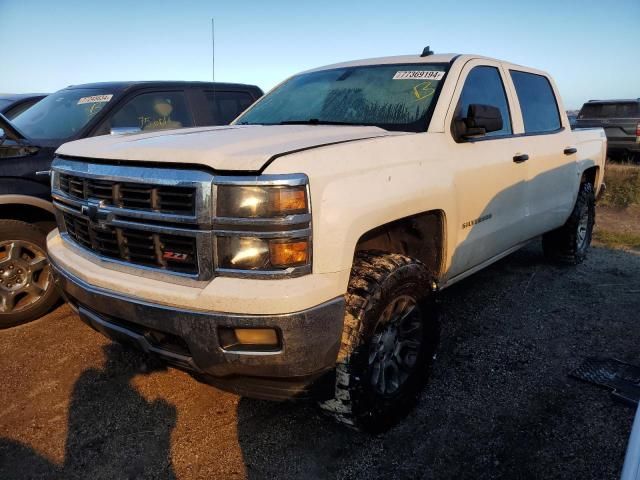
x=623, y=186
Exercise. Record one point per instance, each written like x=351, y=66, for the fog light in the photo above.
x=248, y=338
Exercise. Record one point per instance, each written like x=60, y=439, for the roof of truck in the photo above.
x=616, y=100
x=408, y=59
x=435, y=58
x=125, y=85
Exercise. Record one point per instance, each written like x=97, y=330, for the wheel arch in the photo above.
x=421, y=236
x=591, y=175
x=29, y=209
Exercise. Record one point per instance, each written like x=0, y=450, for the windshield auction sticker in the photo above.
x=95, y=99
x=419, y=75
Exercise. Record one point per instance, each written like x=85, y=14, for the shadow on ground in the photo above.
x=113, y=432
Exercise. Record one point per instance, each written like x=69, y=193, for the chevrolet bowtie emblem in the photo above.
x=90, y=211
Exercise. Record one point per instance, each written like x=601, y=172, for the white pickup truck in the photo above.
x=295, y=252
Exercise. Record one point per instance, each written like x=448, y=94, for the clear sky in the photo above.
x=589, y=46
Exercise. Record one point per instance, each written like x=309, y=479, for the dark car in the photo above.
x=13, y=104
x=621, y=122
x=27, y=144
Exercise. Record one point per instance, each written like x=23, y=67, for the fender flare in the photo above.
x=14, y=199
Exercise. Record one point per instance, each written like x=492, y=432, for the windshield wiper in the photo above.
x=315, y=121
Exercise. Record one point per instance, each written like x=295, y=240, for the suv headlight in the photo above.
x=263, y=226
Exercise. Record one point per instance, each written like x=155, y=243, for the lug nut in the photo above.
x=19, y=271
x=10, y=267
x=9, y=285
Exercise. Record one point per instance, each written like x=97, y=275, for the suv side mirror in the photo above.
x=480, y=120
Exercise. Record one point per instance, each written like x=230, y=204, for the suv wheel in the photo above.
x=388, y=342
x=27, y=289
x=569, y=243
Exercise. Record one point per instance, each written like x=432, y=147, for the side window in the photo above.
x=226, y=106
x=18, y=109
x=537, y=102
x=484, y=86
x=153, y=111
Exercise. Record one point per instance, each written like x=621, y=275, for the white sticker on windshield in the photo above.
x=419, y=75
x=95, y=99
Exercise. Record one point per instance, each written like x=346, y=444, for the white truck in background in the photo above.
x=296, y=251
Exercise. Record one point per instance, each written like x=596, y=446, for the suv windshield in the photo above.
x=394, y=97
x=62, y=114
x=610, y=110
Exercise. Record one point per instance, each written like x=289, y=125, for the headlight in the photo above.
x=263, y=226
x=251, y=253
x=256, y=201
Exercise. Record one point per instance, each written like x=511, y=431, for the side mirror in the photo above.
x=480, y=120
x=2, y=134
x=124, y=130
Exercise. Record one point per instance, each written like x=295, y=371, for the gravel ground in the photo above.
x=499, y=404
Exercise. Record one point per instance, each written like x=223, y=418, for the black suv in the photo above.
x=621, y=122
x=27, y=145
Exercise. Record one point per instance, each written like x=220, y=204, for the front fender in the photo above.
x=362, y=185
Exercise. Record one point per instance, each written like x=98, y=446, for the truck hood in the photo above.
x=234, y=147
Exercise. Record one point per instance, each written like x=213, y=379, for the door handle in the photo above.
x=521, y=158
x=570, y=150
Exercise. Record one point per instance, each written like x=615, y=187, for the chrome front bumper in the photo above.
x=309, y=340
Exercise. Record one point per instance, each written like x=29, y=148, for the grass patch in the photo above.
x=617, y=239
x=623, y=185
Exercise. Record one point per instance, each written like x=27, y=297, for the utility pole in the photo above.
x=213, y=53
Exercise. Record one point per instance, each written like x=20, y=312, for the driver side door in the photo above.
x=489, y=180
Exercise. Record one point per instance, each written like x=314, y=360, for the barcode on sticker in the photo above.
x=95, y=99
x=419, y=75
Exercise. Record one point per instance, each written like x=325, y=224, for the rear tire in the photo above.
x=388, y=342
x=27, y=289
x=570, y=243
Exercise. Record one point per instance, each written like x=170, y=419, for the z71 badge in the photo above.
x=175, y=256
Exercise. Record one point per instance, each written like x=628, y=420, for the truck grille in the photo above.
x=159, y=250
x=156, y=198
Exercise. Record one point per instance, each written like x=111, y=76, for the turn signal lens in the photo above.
x=289, y=254
x=289, y=200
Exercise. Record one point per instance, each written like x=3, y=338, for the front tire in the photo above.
x=388, y=342
x=570, y=243
x=27, y=289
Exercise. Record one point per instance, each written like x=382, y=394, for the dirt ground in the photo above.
x=624, y=220
x=499, y=404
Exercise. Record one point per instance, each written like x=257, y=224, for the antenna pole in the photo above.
x=213, y=53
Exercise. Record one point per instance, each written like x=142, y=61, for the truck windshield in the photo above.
x=394, y=97
x=63, y=114
x=610, y=110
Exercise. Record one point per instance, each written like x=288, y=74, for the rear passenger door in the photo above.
x=226, y=105
x=551, y=167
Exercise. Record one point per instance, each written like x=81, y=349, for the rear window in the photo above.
x=537, y=102
x=610, y=110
